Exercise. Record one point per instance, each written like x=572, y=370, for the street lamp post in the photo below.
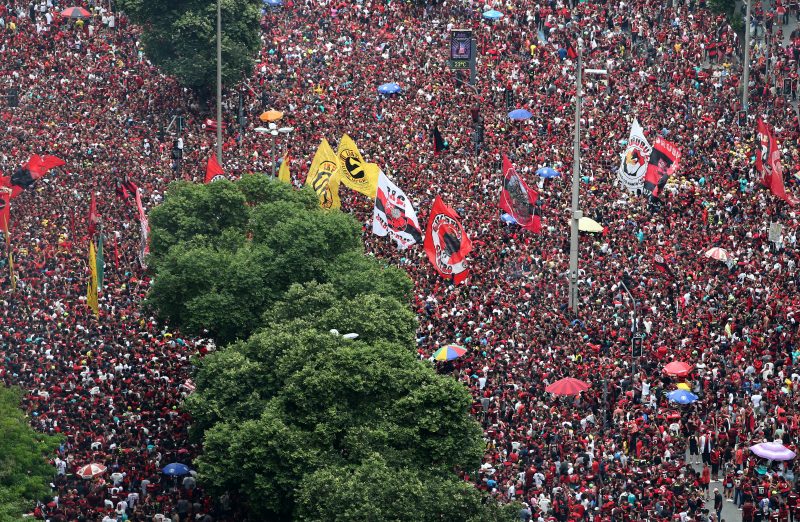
x=634, y=326
x=274, y=131
x=576, y=212
x=219, y=81
x=746, y=76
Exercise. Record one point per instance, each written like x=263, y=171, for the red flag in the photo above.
x=5, y=206
x=768, y=162
x=94, y=218
x=571, y=53
x=446, y=242
x=40, y=165
x=518, y=200
x=663, y=162
x=214, y=170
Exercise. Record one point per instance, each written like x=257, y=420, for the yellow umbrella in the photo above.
x=684, y=386
x=586, y=224
x=271, y=115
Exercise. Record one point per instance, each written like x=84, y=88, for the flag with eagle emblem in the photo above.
x=519, y=201
x=394, y=215
x=446, y=242
x=355, y=172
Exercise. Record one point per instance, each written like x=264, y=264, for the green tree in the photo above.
x=224, y=252
x=24, y=472
x=339, y=408
x=179, y=36
x=288, y=402
x=374, y=491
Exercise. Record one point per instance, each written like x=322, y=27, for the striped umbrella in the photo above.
x=75, y=12
x=449, y=352
x=720, y=254
x=91, y=470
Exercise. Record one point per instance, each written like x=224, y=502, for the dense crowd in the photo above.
x=620, y=451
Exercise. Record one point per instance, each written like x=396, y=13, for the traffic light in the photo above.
x=13, y=97
x=742, y=118
x=636, y=349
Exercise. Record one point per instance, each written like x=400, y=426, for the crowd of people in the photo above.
x=112, y=386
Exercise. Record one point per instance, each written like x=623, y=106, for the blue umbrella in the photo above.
x=175, y=469
x=547, y=173
x=273, y=3
x=682, y=396
x=492, y=14
x=389, y=88
x=519, y=114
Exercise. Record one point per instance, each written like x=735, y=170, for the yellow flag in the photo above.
x=91, y=290
x=283, y=172
x=353, y=169
x=323, y=176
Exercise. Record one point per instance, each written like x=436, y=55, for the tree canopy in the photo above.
x=179, y=36
x=292, y=409
x=24, y=471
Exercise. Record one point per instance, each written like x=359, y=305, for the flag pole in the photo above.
x=576, y=168
x=219, y=81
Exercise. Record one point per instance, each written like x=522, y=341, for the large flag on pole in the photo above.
x=214, y=170
x=94, y=218
x=518, y=200
x=446, y=242
x=283, y=172
x=768, y=161
x=91, y=288
x=36, y=167
x=355, y=172
x=324, y=176
x=144, y=248
x=662, y=164
x=633, y=166
x=5, y=206
x=394, y=215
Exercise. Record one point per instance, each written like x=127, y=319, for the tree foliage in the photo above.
x=291, y=409
x=179, y=36
x=24, y=472
x=224, y=252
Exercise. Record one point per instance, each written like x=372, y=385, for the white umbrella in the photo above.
x=720, y=254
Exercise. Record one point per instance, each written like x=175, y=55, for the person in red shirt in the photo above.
x=705, y=480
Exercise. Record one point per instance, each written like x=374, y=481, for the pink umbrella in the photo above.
x=678, y=369
x=91, y=470
x=567, y=386
x=772, y=451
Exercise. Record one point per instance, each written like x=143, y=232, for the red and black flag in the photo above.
x=25, y=176
x=439, y=144
x=519, y=201
x=5, y=205
x=663, y=162
x=214, y=170
x=662, y=265
x=768, y=161
x=446, y=242
x=571, y=52
x=126, y=189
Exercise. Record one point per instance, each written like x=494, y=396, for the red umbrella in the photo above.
x=567, y=386
x=75, y=12
x=678, y=369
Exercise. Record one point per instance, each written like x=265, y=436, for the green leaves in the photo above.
x=180, y=37
x=290, y=410
x=24, y=472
